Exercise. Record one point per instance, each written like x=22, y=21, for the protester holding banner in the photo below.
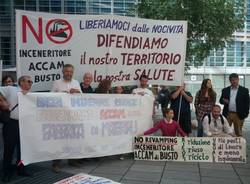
x=11, y=138
x=142, y=89
x=215, y=124
x=180, y=103
x=69, y=85
x=205, y=99
x=168, y=126
x=235, y=99
x=104, y=86
x=85, y=85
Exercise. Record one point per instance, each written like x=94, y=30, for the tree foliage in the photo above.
x=211, y=23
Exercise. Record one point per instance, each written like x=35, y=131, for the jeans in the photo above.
x=200, y=129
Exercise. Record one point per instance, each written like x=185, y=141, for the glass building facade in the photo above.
x=234, y=58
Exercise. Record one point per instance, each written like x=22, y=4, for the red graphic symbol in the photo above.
x=58, y=31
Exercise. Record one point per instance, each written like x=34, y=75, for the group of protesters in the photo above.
x=211, y=122
x=175, y=107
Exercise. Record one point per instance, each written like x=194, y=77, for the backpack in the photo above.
x=209, y=118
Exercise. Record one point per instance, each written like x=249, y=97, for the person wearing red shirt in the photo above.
x=168, y=126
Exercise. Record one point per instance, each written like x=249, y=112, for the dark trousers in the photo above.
x=11, y=141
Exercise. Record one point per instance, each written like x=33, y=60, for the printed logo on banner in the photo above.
x=58, y=31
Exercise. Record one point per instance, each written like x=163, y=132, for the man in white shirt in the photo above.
x=142, y=89
x=11, y=138
x=68, y=85
x=215, y=124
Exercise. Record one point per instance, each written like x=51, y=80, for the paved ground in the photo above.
x=145, y=172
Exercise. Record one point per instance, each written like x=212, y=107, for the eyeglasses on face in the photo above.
x=30, y=81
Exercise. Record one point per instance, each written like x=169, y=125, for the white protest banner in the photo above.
x=198, y=149
x=190, y=149
x=86, y=179
x=157, y=148
x=230, y=149
x=60, y=125
x=108, y=46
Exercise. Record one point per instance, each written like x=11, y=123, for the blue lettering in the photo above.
x=45, y=102
x=117, y=128
x=62, y=131
x=89, y=102
x=126, y=102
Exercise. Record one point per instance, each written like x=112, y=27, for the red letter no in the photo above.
x=38, y=35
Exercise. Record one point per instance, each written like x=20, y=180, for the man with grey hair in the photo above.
x=69, y=85
x=11, y=138
x=85, y=85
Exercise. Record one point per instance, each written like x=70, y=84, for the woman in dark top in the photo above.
x=185, y=111
x=205, y=99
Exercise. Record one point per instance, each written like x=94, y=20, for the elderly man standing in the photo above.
x=235, y=99
x=11, y=136
x=69, y=85
x=85, y=85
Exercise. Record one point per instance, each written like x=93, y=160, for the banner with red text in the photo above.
x=190, y=149
x=108, y=46
x=85, y=179
x=60, y=126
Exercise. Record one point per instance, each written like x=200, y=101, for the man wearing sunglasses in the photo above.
x=11, y=137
